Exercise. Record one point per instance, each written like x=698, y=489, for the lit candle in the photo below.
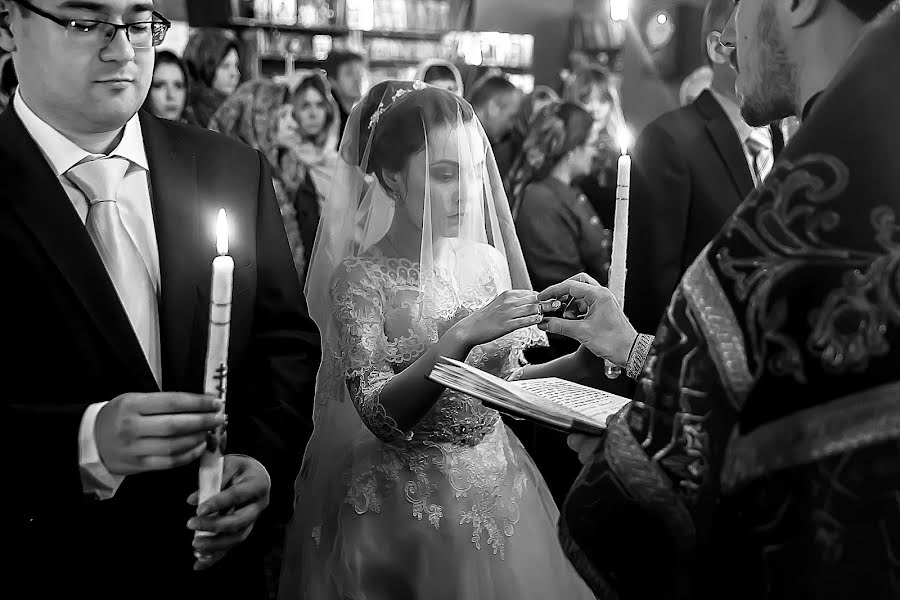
x=618, y=261
x=216, y=382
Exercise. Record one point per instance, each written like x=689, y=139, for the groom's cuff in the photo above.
x=96, y=479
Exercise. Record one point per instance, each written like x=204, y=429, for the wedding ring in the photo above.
x=540, y=308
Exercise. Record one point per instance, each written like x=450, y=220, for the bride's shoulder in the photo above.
x=374, y=270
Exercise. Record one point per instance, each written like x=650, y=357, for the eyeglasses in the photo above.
x=89, y=32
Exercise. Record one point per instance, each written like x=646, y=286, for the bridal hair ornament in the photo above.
x=373, y=121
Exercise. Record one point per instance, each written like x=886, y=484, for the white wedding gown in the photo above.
x=454, y=509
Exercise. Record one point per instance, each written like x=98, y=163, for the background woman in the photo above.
x=589, y=87
x=317, y=115
x=169, y=91
x=294, y=126
x=409, y=490
x=509, y=149
x=213, y=61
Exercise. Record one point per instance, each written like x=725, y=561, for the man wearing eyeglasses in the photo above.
x=106, y=221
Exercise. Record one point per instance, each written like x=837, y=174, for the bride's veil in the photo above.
x=418, y=149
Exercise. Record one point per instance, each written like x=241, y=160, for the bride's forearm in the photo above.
x=409, y=395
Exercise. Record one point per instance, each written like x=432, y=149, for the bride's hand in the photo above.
x=511, y=310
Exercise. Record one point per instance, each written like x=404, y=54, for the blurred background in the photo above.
x=649, y=47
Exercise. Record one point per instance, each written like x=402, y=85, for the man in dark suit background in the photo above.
x=106, y=233
x=692, y=167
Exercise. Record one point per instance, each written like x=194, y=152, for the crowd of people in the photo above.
x=376, y=230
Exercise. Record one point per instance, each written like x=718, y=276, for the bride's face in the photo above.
x=452, y=176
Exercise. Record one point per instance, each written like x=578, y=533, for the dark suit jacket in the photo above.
x=68, y=343
x=689, y=174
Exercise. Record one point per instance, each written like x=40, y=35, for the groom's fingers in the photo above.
x=231, y=523
x=163, y=463
x=205, y=561
x=207, y=545
x=238, y=494
x=178, y=402
x=157, y=446
x=179, y=424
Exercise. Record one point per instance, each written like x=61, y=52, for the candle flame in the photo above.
x=222, y=233
x=624, y=140
x=618, y=10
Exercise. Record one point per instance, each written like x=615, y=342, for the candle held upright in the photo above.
x=216, y=379
x=619, y=259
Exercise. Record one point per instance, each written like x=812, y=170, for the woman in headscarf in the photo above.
x=441, y=73
x=213, y=61
x=510, y=148
x=293, y=123
x=170, y=88
x=590, y=87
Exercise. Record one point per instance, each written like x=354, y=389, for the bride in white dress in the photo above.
x=408, y=490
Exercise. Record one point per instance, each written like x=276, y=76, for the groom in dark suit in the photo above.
x=106, y=233
x=692, y=167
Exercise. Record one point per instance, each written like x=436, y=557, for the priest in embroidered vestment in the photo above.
x=760, y=457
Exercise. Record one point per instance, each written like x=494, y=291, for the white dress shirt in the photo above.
x=137, y=215
x=744, y=131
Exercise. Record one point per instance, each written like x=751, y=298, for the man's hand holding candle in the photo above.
x=227, y=518
x=154, y=432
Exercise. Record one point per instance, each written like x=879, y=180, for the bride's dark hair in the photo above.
x=401, y=123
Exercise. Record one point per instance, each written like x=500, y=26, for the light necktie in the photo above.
x=760, y=147
x=99, y=180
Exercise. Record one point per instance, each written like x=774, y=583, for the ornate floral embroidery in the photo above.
x=788, y=229
x=386, y=324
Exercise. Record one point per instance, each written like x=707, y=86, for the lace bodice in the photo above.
x=384, y=326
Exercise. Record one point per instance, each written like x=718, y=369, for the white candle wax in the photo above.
x=216, y=379
x=619, y=259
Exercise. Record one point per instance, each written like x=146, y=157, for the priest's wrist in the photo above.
x=640, y=349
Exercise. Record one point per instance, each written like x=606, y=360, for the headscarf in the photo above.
x=318, y=158
x=253, y=115
x=205, y=51
x=167, y=57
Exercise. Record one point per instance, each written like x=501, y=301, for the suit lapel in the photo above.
x=726, y=142
x=43, y=206
x=175, y=194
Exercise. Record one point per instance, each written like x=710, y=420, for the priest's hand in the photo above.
x=154, y=432
x=585, y=445
x=600, y=324
x=226, y=519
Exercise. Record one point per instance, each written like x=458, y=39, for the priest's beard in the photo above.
x=771, y=93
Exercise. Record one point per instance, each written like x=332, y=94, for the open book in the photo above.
x=553, y=402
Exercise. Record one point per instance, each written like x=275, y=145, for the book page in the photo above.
x=592, y=403
x=555, y=402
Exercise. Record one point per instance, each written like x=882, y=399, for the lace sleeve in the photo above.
x=358, y=298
